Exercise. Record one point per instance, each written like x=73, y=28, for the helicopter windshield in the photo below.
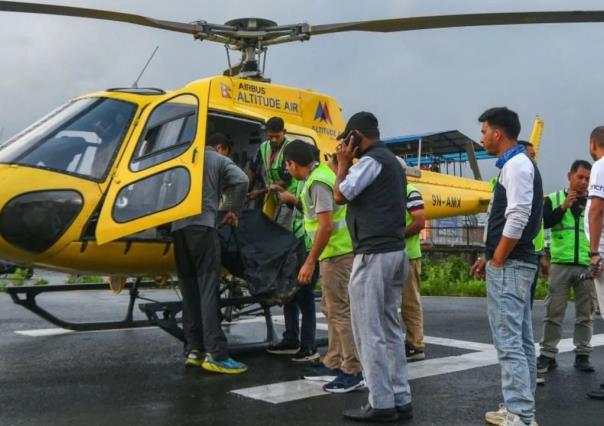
x=80, y=137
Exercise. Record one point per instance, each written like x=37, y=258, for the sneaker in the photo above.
x=414, y=354
x=540, y=380
x=283, y=348
x=404, y=411
x=345, y=383
x=226, y=366
x=512, y=419
x=596, y=394
x=545, y=363
x=322, y=373
x=366, y=413
x=496, y=417
x=194, y=358
x=306, y=355
x=582, y=364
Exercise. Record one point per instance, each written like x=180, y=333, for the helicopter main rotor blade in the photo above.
x=451, y=21
x=80, y=12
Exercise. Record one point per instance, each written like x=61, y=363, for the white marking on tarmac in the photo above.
x=294, y=390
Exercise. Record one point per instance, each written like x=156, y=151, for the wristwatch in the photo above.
x=594, y=253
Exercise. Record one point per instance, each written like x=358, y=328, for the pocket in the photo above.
x=495, y=268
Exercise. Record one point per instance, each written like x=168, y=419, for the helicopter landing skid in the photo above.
x=164, y=315
x=31, y=292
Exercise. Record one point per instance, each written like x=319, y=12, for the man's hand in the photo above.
x=596, y=267
x=231, y=219
x=276, y=188
x=478, y=268
x=306, y=272
x=287, y=198
x=544, y=261
x=346, y=153
x=571, y=197
x=255, y=194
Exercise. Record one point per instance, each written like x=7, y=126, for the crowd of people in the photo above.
x=360, y=221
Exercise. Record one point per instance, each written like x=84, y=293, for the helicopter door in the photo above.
x=159, y=176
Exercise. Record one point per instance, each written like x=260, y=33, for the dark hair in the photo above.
x=316, y=153
x=525, y=143
x=579, y=163
x=275, y=124
x=370, y=133
x=502, y=118
x=598, y=135
x=220, y=139
x=299, y=152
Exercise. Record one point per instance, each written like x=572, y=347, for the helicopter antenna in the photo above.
x=135, y=84
x=230, y=70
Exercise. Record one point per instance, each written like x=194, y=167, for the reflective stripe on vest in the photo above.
x=569, y=243
x=414, y=250
x=339, y=243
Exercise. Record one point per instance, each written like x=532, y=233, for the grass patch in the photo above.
x=3, y=286
x=452, y=278
x=85, y=279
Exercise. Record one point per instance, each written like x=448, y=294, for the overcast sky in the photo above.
x=414, y=82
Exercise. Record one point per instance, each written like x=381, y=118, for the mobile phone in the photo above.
x=356, y=138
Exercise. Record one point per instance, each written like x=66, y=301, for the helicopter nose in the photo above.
x=35, y=221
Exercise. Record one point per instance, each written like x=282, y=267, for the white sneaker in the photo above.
x=503, y=417
x=496, y=417
x=512, y=419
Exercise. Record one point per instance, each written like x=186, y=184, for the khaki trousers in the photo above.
x=411, y=307
x=335, y=305
x=561, y=279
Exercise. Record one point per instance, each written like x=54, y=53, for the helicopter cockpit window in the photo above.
x=169, y=132
x=79, y=138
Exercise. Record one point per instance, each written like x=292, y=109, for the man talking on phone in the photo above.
x=375, y=190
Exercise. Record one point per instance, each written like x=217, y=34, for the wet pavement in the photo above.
x=133, y=377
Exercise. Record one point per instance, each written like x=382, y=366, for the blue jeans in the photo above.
x=509, y=310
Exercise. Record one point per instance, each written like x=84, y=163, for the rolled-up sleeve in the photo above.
x=359, y=177
x=517, y=180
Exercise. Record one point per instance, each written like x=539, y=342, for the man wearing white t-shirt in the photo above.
x=594, y=220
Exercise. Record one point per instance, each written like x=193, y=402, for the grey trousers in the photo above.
x=375, y=290
x=562, y=279
x=197, y=255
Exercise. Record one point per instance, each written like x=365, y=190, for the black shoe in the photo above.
x=582, y=364
x=283, y=348
x=596, y=394
x=602, y=386
x=404, y=411
x=306, y=355
x=368, y=414
x=545, y=363
x=414, y=354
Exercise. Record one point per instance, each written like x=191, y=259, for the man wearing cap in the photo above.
x=270, y=166
x=375, y=190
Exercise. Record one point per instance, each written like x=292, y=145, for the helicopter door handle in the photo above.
x=194, y=156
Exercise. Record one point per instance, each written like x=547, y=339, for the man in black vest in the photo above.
x=374, y=189
x=515, y=215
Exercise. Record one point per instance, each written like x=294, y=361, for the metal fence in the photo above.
x=452, y=236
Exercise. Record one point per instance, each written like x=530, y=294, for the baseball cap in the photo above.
x=360, y=121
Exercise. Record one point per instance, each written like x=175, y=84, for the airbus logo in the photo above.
x=322, y=113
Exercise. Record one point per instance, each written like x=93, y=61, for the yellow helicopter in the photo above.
x=91, y=186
